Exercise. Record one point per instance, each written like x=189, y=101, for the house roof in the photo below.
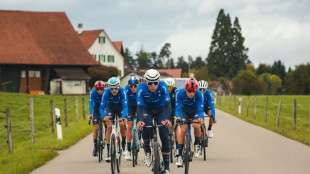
x=141, y=74
x=88, y=37
x=72, y=73
x=176, y=73
x=118, y=46
x=41, y=38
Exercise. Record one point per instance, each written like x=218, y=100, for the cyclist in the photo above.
x=172, y=90
x=131, y=90
x=114, y=99
x=141, y=80
x=208, y=104
x=153, y=100
x=94, y=104
x=189, y=106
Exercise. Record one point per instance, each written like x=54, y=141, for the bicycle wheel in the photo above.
x=204, y=138
x=113, y=153
x=119, y=155
x=100, y=145
x=187, y=153
x=171, y=145
x=133, y=148
x=156, y=169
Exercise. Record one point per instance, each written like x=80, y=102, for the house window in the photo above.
x=23, y=74
x=110, y=58
x=31, y=73
x=102, y=58
x=94, y=55
x=120, y=72
x=101, y=39
x=36, y=73
x=74, y=83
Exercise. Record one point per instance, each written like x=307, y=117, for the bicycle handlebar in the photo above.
x=189, y=121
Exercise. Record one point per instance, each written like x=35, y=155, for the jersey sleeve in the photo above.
x=91, y=103
x=124, y=103
x=178, y=104
x=139, y=95
x=200, y=104
x=167, y=102
x=103, y=103
x=211, y=103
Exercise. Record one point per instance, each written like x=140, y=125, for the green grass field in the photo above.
x=285, y=128
x=26, y=155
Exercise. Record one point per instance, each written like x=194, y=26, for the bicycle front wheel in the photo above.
x=187, y=153
x=100, y=145
x=134, y=149
x=119, y=155
x=204, y=140
x=113, y=153
x=156, y=169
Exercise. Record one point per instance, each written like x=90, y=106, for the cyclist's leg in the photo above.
x=196, y=126
x=147, y=132
x=182, y=130
x=132, y=110
x=96, y=120
x=163, y=133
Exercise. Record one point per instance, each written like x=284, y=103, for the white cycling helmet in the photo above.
x=169, y=81
x=203, y=84
x=113, y=81
x=151, y=75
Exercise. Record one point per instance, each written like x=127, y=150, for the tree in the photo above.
x=182, y=64
x=278, y=69
x=198, y=63
x=130, y=58
x=250, y=67
x=101, y=72
x=298, y=80
x=272, y=83
x=246, y=82
x=143, y=60
x=263, y=68
x=164, y=55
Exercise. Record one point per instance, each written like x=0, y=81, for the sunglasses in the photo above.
x=99, y=89
x=114, y=89
x=191, y=90
x=152, y=83
x=202, y=89
x=133, y=86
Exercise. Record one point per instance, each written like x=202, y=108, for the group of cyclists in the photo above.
x=147, y=98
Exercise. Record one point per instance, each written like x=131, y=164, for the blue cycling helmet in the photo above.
x=133, y=80
x=113, y=81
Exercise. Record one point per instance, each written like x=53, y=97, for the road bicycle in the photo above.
x=100, y=140
x=188, y=150
x=204, y=139
x=135, y=144
x=115, y=150
x=171, y=140
x=157, y=157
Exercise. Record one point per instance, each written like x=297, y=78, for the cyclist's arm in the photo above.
x=91, y=103
x=211, y=103
x=103, y=103
x=125, y=103
x=200, y=104
x=140, y=103
x=178, y=105
x=167, y=102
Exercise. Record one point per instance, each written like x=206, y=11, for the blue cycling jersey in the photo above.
x=182, y=100
x=94, y=100
x=153, y=99
x=208, y=101
x=130, y=95
x=120, y=99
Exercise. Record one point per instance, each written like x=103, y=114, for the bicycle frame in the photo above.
x=134, y=129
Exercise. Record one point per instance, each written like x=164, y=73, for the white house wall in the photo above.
x=107, y=49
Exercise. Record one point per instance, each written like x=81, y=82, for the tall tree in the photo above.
x=143, y=60
x=263, y=68
x=164, y=55
x=278, y=69
x=298, y=80
x=130, y=58
x=182, y=64
x=198, y=63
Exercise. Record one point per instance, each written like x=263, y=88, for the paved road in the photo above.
x=237, y=148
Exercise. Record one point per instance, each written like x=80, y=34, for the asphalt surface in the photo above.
x=237, y=147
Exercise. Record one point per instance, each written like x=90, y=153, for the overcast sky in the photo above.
x=273, y=29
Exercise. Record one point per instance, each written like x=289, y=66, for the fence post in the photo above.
x=240, y=105
x=66, y=112
x=234, y=103
x=279, y=110
x=230, y=100
x=247, y=106
x=76, y=109
x=31, y=120
x=9, y=129
x=266, y=109
x=223, y=100
x=294, y=114
x=255, y=107
x=83, y=99
x=220, y=100
x=52, y=115
x=215, y=98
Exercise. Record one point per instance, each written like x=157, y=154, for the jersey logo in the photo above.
x=167, y=99
x=145, y=115
x=138, y=103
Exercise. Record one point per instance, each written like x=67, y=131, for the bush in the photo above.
x=247, y=83
x=101, y=72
